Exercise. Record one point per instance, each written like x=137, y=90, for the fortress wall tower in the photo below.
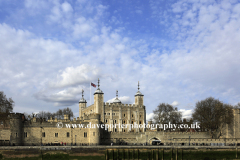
x=94, y=132
x=16, y=127
x=82, y=105
x=236, y=123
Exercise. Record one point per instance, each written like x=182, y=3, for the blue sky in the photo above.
x=181, y=52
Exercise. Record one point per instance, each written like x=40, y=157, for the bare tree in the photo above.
x=165, y=113
x=68, y=111
x=6, y=105
x=60, y=113
x=46, y=115
x=213, y=115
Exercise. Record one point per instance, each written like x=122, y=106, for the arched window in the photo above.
x=106, y=120
x=123, y=115
x=140, y=122
x=115, y=121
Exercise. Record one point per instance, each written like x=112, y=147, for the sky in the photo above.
x=180, y=51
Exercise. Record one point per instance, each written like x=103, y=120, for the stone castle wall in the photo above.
x=34, y=132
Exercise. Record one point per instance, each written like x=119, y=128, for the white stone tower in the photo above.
x=82, y=105
x=139, y=97
x=98, y=102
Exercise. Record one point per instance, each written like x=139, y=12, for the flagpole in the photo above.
x=90, y=94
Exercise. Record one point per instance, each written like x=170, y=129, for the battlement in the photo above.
x=16, y=115
x=182, y=133
x=123, y=105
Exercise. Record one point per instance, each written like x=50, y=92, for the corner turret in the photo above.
x=139, y=97
x=98, y=101
x=82, y=104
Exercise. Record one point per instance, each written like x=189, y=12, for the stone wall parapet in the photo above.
x=107, y=104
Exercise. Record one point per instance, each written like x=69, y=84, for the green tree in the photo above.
x=213, y=115
x=6, y=105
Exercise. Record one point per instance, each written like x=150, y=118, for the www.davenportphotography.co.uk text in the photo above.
x=149, y=126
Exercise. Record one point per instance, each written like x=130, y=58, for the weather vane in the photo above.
x=98, y=83
x=138, y=85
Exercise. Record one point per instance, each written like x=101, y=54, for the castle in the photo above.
x=16, y=130
x=116, y=112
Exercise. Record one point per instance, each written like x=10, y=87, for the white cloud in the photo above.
x=149, y=116
x=186, y=113
x=66, y=7
x=175, y=103
x=20, y=75
x=210, y=46
x=56, y=14
x=61, y=98
x=196, y=57
x=35, y=7
x=73, y=76
x=84, y=28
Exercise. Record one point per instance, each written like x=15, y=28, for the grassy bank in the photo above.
x=168, y=154
x=57, y=157
x=144, y=154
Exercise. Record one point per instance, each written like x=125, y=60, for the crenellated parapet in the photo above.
x=107, y=105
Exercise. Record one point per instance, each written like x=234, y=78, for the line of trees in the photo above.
x=7, y=104
x=46, y=115
x=212, y=114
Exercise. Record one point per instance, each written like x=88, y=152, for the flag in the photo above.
x=92, y=84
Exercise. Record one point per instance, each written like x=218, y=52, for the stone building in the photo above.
x=87, y=128
x=116, y=112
